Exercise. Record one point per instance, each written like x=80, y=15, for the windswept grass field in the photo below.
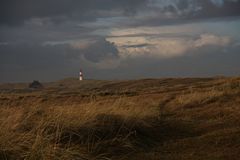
x=151, y=119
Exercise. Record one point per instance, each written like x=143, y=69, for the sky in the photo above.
x=48, y=40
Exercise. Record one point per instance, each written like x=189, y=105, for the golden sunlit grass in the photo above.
x=162, y=119
x=38, y=132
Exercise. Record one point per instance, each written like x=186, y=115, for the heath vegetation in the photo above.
x=182, y=118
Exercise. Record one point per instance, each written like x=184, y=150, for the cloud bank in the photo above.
x=53, y=39
x=166, y=47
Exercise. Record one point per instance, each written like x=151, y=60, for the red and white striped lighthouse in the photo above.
x=80, y=75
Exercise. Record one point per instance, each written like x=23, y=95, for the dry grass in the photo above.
x=162, y=119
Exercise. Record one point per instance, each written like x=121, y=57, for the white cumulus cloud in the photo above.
x=165, y=47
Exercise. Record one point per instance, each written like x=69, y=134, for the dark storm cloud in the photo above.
x=46, y=55
x=15, y=11
x=32, y=56
x=200, y=8
x=44, y=39
x=216, y=8
x=100, y=50
x=27, y=61
x=137, y=46
x=187, y=11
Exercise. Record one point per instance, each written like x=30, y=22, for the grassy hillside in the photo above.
x=155, y=119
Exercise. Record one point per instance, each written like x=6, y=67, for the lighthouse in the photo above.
x=80, y=75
